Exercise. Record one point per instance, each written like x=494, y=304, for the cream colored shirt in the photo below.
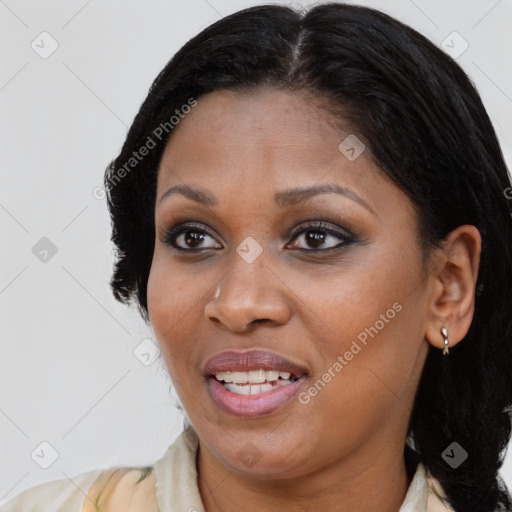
x=170, y=485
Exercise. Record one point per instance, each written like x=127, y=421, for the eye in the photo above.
x=188, y=237
x=320, y=236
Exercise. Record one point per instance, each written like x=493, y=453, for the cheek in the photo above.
x=171, y=291
x=375, y=315
x=161, y=295
x=170, y=297
x=176, y=303
x=360, y=297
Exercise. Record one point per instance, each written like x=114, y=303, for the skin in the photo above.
x=342, y=451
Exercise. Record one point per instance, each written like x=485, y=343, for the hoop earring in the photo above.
x=444, y=332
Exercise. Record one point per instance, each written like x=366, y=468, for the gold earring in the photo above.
x=444, y=332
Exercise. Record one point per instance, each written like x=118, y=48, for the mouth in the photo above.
x=254, y=383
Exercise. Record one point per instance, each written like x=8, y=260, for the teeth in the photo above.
x=253, y=389
x=252, y=377
x=258, y=376
x=272, y=375
x=254, y=381
x=239, y=377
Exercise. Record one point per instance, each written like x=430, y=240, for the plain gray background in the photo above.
x=69, y=370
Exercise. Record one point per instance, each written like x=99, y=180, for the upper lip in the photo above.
x=234, y=361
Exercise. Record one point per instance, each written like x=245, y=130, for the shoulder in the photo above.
x=123, y=490
x=436, y=496
x=115, y=489
x=66, y=494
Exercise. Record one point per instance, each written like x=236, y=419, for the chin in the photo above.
x=256, y=453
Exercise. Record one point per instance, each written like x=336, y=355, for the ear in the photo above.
x=452, y=296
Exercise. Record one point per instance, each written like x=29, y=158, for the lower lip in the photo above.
x=251, y=406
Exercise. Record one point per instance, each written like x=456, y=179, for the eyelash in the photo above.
x=171, y=232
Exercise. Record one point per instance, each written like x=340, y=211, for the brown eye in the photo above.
x=189, y=237
x=320, y=236
x=192, y=238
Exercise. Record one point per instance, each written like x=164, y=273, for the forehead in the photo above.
x=267, y=135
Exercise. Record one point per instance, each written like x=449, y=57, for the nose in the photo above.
x=250, y=293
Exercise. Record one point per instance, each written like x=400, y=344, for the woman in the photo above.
x=311, y=212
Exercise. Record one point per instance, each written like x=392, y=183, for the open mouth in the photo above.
x=254, y=382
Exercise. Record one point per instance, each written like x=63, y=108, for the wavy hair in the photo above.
x=426, y=128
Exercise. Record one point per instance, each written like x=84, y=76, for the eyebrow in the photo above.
x=282, y=199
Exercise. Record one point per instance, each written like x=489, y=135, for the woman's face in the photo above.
x=332, y=282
